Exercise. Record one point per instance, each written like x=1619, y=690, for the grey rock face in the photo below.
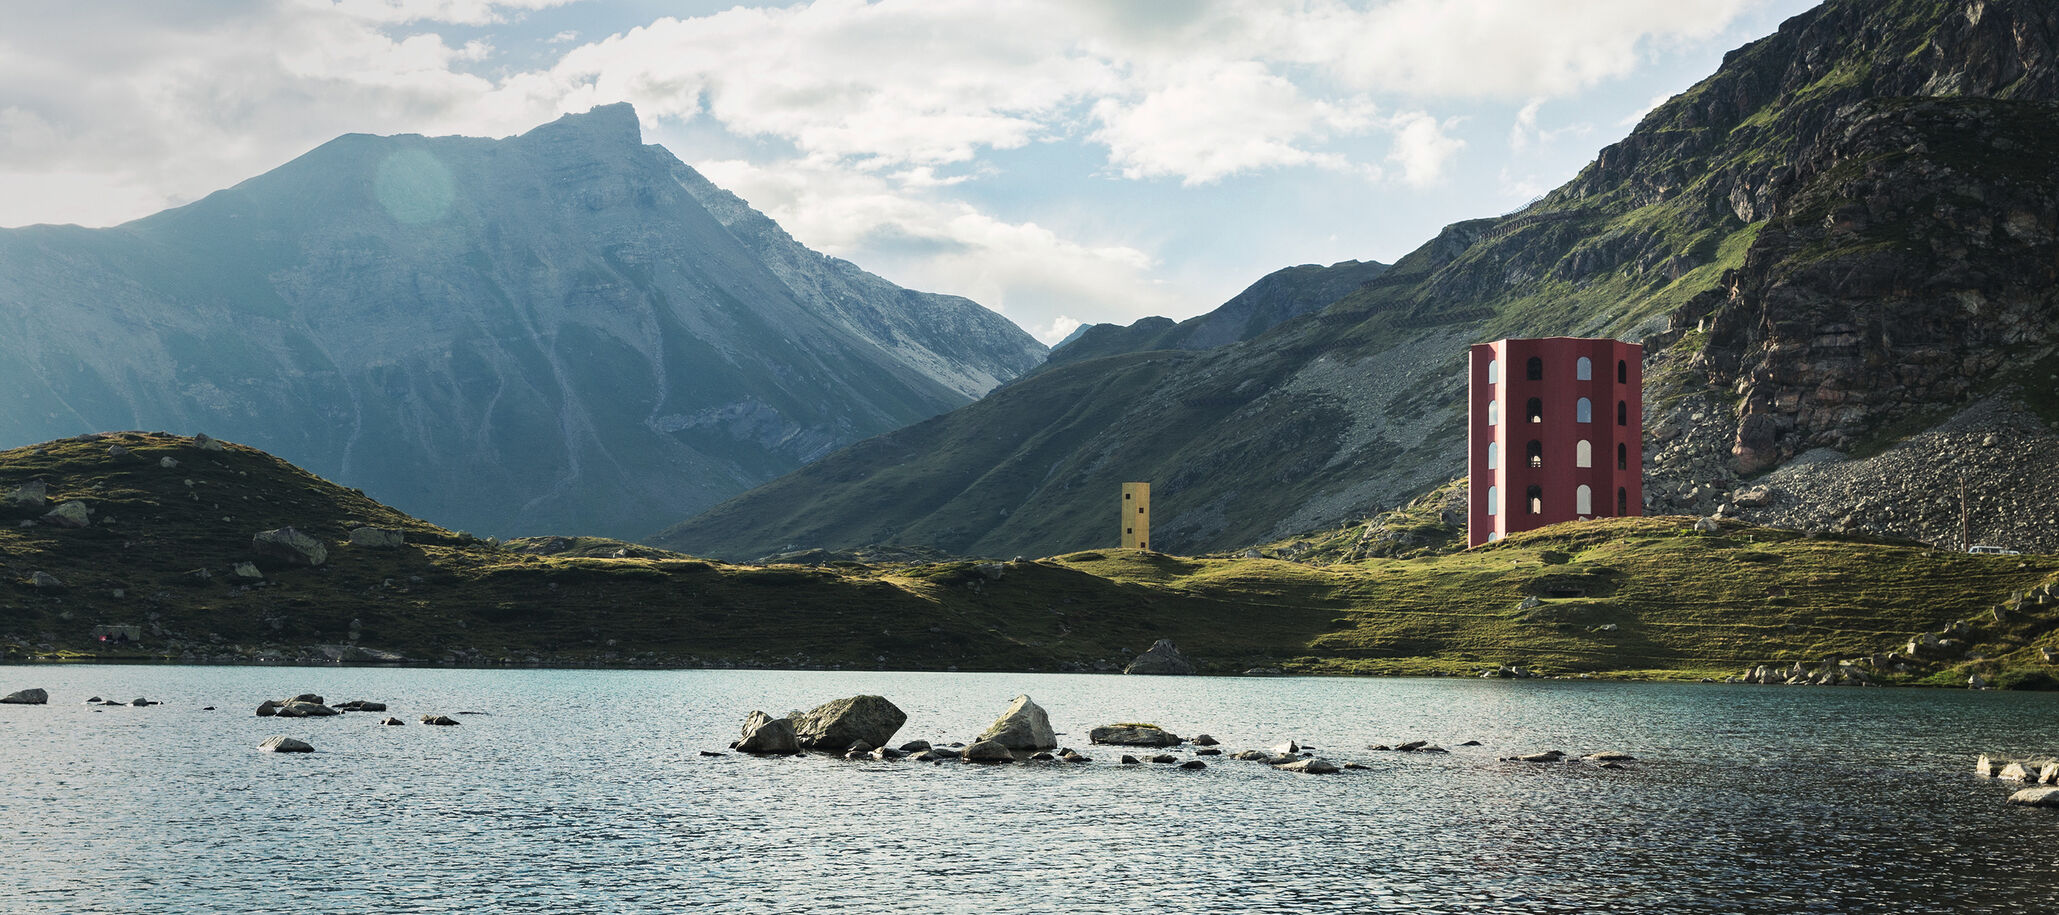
x=284, y=744
x=35, y=696
x=1025, y=726
x=290, y=545
x=33, y=494
x=1161, y=659
x=377, y=538
x=763, y=733
x=837, y=726
x=563, y=331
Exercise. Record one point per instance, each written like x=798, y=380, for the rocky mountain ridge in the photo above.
x=566, y=331
x=1840, y=239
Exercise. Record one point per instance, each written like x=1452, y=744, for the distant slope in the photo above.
x=1276, y=298
x=1635, y=597
x=1846, y=235
x=562, y=332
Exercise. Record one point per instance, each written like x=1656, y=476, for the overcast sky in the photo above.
x=1059, y=161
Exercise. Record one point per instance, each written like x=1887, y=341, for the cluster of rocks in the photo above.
x=1832, y=672
x=1897, y=493
x=138, y=702
x=2040, y=776
x=1606, y=759
x=311, y=705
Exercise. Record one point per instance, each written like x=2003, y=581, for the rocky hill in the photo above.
x=1839, y=251
x=1276, y=298
x=176, y=548
x=563, y=332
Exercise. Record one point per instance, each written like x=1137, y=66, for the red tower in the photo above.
x=1555, y=432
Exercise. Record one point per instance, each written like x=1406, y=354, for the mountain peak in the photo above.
x=613, y=124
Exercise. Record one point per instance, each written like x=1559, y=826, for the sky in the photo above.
x=1059, y=161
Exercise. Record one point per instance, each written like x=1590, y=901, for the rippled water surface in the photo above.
x=585, y=791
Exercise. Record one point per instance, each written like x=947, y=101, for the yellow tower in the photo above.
x=1136, y=516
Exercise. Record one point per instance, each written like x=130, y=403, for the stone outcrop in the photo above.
x=73, y=514
x=1024, y=726
x=33, y=494
x=1161, y=659
x=290, y=545
x=33, y=696
x=834, y=726
x=766, y=735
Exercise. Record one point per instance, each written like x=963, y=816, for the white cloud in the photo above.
x=1422, y=147
x=1206, y=120
x=454, y=12
x=1020, y=269
x=1057, y=329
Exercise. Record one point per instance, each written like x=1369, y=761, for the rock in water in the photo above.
x=290, y=545
x=303, y=709
x=33, y=494
x=1161, y=659
x=443, y=720
x=284, y=744
x=394, y=722
x=988, y=751
x=267, y=709
x=834, y=726
x=1311, y=766
x=26, y=697
x=71, y=514
x=377, y=538
x=765, y=734
x=1133, y=735
x=1024, y=726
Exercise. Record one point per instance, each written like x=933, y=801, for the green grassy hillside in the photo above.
x=1622, y=597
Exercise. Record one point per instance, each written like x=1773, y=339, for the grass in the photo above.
x=1632, y=597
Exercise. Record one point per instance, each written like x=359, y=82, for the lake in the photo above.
x=585, y=791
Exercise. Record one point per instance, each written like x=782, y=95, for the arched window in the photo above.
x=1494, y=500
x=1493, y=371
x=1622, y=413
x=1535, y=410
x=1535, y=452
x=1583, y=454
x=1493, y=455
x=1583, y=410
x=1622, y=372
x=1622, y=502
x=1534, y=369
x=1622, y=456
x=1583, y=500
x=1583, y=370
x=1536, y=498
x=1494, y=412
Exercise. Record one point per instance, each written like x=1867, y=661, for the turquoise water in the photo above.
x=585, y=791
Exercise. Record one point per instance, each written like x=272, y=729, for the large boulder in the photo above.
x=290, y=545
x=206, y=443
x=765, y=734
x=377, y=538
x=834, y=726
x=1133, y=735
x=1023, y=727
x=2036, y=797
x=70, y=514
x=1310, y=766
x=284, y=744
x=33, y=494
x=303, y=709
x=45, y=581
x=1162, y=659
x=26, y=697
